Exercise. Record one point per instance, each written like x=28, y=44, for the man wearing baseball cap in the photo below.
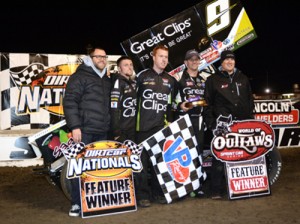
x=190, y=100
x=228, y=92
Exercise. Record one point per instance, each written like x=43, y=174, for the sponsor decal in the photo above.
x=177, y=158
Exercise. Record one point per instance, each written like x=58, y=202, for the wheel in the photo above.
x=274, y=165
x=65, y=183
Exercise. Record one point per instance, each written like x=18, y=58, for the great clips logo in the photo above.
x=177, y=157
x=242, y=140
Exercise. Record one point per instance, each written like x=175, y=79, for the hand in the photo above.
x=185, y=106
x=76, y=133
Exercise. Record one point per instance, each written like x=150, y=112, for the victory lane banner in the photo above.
x=105, y=171
x=242, y=146
x=209, y=27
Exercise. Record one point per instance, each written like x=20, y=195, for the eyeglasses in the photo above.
x=100, y=56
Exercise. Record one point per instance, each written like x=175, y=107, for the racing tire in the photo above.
x=274, y=165
x=65, y=183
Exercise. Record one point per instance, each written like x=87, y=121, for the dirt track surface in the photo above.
x=29, y=198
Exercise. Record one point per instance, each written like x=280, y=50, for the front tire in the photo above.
x=274, y=165
x=65, y=182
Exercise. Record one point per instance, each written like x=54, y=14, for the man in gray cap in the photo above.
x=190, y=98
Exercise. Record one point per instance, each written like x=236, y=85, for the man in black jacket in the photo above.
x=123, y=101
x=227, y=93
x=86, y=107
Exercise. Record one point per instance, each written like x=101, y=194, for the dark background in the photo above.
x=59, y=28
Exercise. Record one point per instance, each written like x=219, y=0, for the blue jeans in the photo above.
x=75, y=187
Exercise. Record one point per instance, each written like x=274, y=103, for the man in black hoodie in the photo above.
x=86, y=108
x=228, y=92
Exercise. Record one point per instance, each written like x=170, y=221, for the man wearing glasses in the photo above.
x=86, y=108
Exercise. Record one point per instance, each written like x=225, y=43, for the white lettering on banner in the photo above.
x=56, y=80
x=32, y=99
x=243, y=141
x=249, y=184
x=168, y=31
x=276, y=118
x=272, y=107
x=81, y=165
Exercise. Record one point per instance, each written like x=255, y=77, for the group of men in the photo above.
x=127, y=106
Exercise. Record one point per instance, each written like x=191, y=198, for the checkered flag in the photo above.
x=175, y=159
x=135, y=149
x=24, y=75
x=71, y=149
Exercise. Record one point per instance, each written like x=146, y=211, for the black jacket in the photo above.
x=227, y=95
x=87, y=101
x=123, y=104
x=190, y=87
x=155, y=99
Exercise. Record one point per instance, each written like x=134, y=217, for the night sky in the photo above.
x=60, y=28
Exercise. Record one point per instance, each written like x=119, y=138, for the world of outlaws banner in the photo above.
x=241, y=145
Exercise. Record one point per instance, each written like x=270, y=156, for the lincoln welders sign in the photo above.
x=278, y=112
x=242, y=146
x=210, y=27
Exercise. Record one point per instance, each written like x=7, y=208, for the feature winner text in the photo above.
x=248, y=178
x=107, y=193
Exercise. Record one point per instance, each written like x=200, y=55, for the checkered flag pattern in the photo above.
x=72, y=149
x=135, y=149
x=157, y=149
x=24, y=75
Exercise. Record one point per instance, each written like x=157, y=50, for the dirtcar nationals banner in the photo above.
x=209, y=27
x=32, y=87
x=106, y=180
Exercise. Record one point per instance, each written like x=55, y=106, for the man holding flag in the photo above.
x=156, y=92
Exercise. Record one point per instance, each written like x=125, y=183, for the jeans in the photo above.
x=75, y=187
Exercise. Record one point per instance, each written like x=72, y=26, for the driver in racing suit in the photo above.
x=156, y=93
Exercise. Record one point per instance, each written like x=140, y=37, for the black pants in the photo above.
x=218, y=181
x=75, y=189
x=198, y=126
x=146, y=182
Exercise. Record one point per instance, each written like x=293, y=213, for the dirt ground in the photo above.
x=29, y=198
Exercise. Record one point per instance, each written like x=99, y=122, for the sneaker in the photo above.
x=216, y=197
x=161, y=199
x=198, y=194
x=192, y=194
x=144, y=203
x=75, y=211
